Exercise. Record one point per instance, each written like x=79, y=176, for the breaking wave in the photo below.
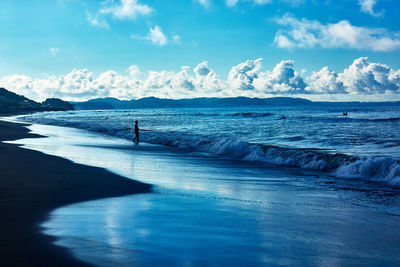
x=379, y=169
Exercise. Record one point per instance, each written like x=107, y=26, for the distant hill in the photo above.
x=57, y=104
x=100, y=103
x=11, y=103
x=153, y=102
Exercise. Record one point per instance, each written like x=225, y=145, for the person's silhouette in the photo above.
x=136, y=133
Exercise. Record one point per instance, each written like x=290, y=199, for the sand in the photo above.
x=211, y=211
x=202, y=210
x=33, y=184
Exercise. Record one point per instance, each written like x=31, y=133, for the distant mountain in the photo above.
x=153, y=102
x=11, y=103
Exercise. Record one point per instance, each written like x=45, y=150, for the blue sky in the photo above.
x=62, y=48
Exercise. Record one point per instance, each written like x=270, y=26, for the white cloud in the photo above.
x=324, y=82
x=202, y=69
x=169, y=84
x=20, y=84
x=248, y=79
x=363, y=77
x=53, y=51
x=118, y=9
x=362, y=80
x=156, y=36
x=134, y=72
x=125, y=9
x=207, y=82
x=311, y=33
x=282, y=80
x=97, y=21
x=283, y=42
x=394, y=77
x=241, y=76
x=367, y=6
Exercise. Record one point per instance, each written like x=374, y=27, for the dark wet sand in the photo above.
x=31, y=185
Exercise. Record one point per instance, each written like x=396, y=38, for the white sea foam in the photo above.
x=380, y=169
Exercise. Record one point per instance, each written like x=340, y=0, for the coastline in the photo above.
x=332, y=222
x=32, y=184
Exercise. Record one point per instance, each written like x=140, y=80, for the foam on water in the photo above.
x=201, y=132
x=242, y=207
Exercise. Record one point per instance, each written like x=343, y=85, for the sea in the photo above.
x=315, y=184
x=364, y=144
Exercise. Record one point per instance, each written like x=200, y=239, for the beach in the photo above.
x=205, y=133
x=205, y=210
x=32, y=184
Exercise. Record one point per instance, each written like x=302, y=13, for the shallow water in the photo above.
x=363, y=145
x=211, y=211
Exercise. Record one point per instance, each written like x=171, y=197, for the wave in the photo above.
x=380, y=169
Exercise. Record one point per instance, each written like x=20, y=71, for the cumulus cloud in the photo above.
x=20, y=84
x=125, y=9
x=247, y=76
x=282, y=80
x=156, y=36
x=367, y=6
x=362, y=80
x=169, y=84
x=303, y=33
x=207, y=82
x=324, y=82
x=363, y=77
x=241, y=77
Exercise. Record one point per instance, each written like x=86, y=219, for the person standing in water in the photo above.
x=136, y=133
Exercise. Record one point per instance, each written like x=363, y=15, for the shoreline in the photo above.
x=203, y=197
x=32, y=184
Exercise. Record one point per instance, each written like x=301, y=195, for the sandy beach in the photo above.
x=31, y=185
x=205, y=133
x=205, y=210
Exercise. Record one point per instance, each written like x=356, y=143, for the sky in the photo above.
x=320, y=50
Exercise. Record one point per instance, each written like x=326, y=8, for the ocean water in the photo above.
x=364, y=145
x=237, y=186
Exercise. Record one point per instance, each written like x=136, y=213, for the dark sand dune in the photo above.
x=31, y=185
